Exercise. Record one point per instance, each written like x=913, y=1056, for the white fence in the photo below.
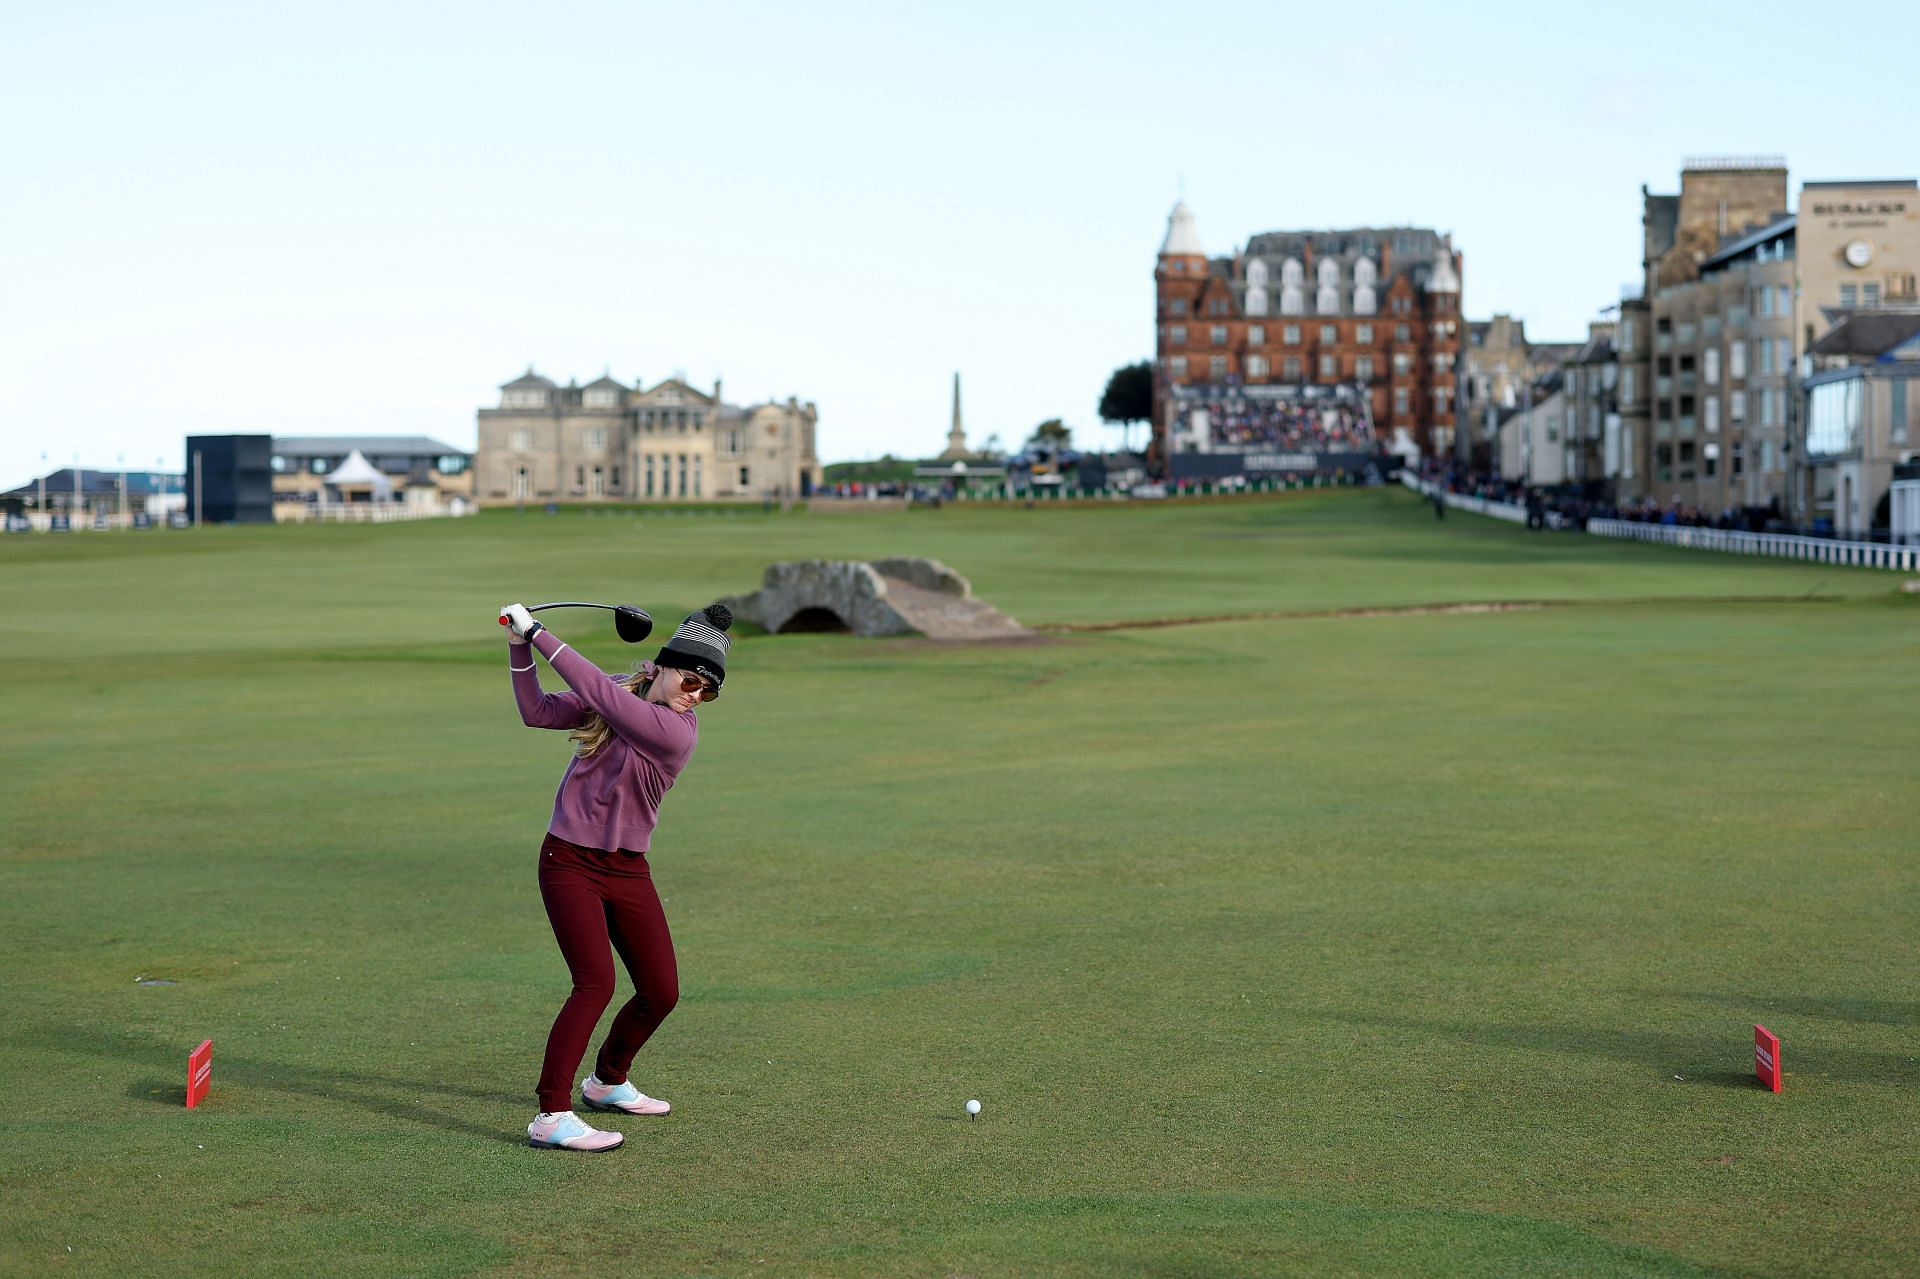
x=1461, y=502
x=1790, y=546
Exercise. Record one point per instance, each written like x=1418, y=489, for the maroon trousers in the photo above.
x=594, y=898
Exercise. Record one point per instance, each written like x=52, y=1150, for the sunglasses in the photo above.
x=692, y=683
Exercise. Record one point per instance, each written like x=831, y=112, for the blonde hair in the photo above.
x=594, y=731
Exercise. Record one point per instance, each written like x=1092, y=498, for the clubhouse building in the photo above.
x=610, y=442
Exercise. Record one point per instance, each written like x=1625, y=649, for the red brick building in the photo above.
x=1376, y=309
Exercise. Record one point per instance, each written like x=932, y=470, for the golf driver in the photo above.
x=629, y=623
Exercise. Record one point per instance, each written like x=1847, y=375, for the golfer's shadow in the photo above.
x=1681, y=1053
x=355, y=1088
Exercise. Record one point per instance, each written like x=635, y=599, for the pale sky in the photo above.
x=356, y=219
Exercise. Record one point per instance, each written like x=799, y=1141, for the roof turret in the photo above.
x=1182, y=238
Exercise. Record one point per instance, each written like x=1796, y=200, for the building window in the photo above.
x=1766, y=357
x=616, y=479
x=1737, y=360
x=1710, y=366
x=1290, y=368
x=522, y=482
x=1217, y=335
x=1686, y=459
x=318, y=465
x=520, y=440
x=1710, y=460
x=1179, y=335
x=1869, y=295
x=1849, y=295
x=1401, y=333
x=1626, y=334
x=597, y=440
x=1329, y=367
x=598, y=488
x=1290, y=334
x=1363, y=334
x=1216, y=368
x=1769, y=415
x=1736, y=406
x=1400, y=363
x=1178, y=306
x=1257, y=335
x=1399, y=401
x=1256, y=301
x=1897, y=415
x=1329, y=335
x=1363, y=368
x=1783, y=355
x=683, y=474
x=579, y=477
x=1178, y=367
x=1710, y=416
x=648, y=459
x=1626, y=383
x=1217, y=306
x=696, y=475
x=278, y=463
x=743, y=477
x=1256, y=367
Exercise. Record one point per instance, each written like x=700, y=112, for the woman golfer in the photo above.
x=632, y=735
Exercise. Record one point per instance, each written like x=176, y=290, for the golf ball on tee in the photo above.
x=973, y=1108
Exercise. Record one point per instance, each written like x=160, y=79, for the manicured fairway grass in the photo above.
x=1405, y=944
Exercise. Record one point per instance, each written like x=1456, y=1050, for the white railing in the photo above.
x=1822, y=550
x=1461, y=502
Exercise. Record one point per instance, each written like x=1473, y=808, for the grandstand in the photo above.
x=1255, y=429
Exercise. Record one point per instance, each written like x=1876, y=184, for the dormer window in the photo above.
x=605, y=398
x=1327, y=299
x=1364, y=277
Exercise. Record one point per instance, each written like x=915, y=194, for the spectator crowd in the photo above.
x=1566, y=508
x=1239, y=422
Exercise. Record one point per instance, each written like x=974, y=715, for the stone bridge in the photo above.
x=901, y=596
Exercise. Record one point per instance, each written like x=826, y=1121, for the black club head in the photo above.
x=632, y=624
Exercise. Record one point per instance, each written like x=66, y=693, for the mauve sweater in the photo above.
x=611, y=798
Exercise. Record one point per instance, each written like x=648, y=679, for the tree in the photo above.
x=1128, y=397
x=1051, y=434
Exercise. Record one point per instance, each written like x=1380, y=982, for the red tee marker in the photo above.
x=1766, y=1058
x=199, y=1073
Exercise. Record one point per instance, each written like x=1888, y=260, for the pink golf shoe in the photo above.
x=564, y=1130
x=622, y=1097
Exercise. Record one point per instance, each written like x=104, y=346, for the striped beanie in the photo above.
x=700, y=645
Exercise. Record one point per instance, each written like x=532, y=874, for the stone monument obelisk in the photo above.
x=957, y=450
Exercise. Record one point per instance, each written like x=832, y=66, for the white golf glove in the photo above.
x=518, y=621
